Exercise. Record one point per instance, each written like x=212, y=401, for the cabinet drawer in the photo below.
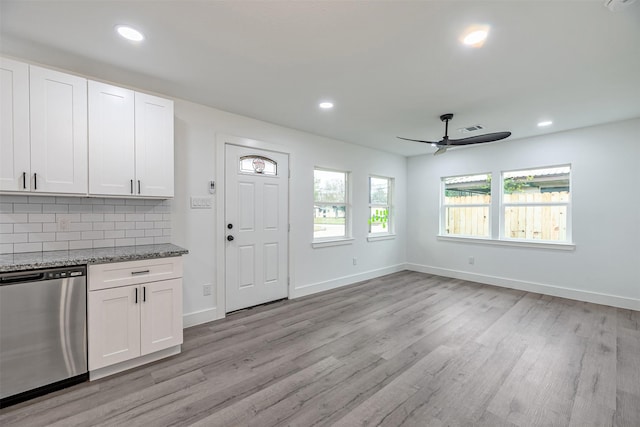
x=104, y=276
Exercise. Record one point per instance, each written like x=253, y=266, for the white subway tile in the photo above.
x=6, y=207
x=166, y=217
x=152, y=232
x=92, y=235
x=92, y=217
x=6, y=248
x=125, y=209
x=153, y=217
x=144, y=225
x=6, y=228
x=162, y=224
x=125, y=225
x=161, y=240
x=69, y=200
x=117, y=201
x=144, y=240
x=27, y=208
x=80, y=208
x=144, y=209
x=14, y=199
x=81, y=226
x=134, y=233
x=125, y=242
x=134, y=202
x=42, y=237
x=166, y=232
x=55, y=246
x=68, y=235
x=72, y=217
x=15, y=238
x=92, y=201
x=42, y=199
x=35, y=227
x=104, y=209
x=11, y=218
x=80, y=244
x=114, y=234
x=55, y=208
x=48, y=227
x=104, y=243
x=35, y=217
x=162, y=209
x=134, y=217
x=27, y=247
x=103, y=226
x=114, y=217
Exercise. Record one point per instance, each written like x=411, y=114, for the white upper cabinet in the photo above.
x=111, y=140
x=15, y=156
x=154, y=145
x=130, y=143
x=58, y=113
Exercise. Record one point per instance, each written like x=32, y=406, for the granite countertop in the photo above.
x=34, y=260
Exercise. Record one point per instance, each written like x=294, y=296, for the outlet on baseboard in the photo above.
x=472, y=260
x=206, y=290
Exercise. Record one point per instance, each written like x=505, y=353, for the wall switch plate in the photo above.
x=201, y=202
x=206, y=290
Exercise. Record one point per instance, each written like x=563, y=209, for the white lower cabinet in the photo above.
x=131, y=322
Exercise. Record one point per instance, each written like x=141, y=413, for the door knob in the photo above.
x=229, y=226
x=230, y=238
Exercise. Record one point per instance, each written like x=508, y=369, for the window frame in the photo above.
x=444, y=206
x=504, y=205
x=346, y=238
x=388, y=206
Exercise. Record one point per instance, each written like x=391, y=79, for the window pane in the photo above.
x=379, y=191
x=379, y=220
x=329, y=221
x=467, y=221
x=471, y=189
x=536, y=222
x=535, y=183
x=329, y=186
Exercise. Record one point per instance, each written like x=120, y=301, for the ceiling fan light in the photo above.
x=129, y=33
x=326, y=105
x=475, y=36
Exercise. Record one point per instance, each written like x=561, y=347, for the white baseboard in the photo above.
x=344, y=280
x=199, y=317
x=556, y=291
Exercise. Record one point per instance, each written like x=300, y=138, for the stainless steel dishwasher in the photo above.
x=43, y=331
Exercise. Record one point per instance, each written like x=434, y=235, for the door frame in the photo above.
x=220, y=229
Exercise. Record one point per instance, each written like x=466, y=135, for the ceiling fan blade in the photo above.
x=489, y=137
x=441, y=149
x=417, y=140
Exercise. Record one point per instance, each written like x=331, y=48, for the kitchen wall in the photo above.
x=49, y=223
x=199, y=131
x=605, y=178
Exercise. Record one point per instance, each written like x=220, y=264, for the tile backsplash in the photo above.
x=49, y=223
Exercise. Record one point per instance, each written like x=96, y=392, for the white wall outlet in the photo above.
x=355, y=261
x=201, y=202
x=206, y=290
x=472, y=260
x=63, y=223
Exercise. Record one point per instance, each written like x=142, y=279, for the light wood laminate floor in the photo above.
x=407, y=349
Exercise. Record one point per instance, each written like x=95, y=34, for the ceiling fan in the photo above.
x=446, y=143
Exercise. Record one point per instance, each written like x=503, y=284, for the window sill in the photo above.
x=377, y=238
x=516, y=243
x=334, y=242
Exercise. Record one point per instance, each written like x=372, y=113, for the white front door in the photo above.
x=256, y=226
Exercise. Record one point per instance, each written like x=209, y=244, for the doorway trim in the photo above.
x=222, y=141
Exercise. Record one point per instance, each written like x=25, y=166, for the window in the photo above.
x=536, y=204
x=330, y=218
x=466, y=204
x=380, y=205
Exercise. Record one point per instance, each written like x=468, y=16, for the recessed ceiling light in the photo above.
x=130, y=33
x=326, y=105
x=545, y=123
x=475, y=36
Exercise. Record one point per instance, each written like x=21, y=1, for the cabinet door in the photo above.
x=154, y=146
x=58, y=132
x=111, y=140
x=161, y=324
x=14, y=126
x=114, y=326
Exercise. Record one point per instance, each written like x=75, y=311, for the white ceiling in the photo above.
x=390, y=67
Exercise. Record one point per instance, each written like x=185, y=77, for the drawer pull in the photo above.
x=133, y=273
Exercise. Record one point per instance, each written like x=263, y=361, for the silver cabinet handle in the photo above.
x=133, y=273
x=138, y=186
x=131, y=186
x=24, y=180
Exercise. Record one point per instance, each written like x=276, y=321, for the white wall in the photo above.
x=605, y=168
x=312, y=270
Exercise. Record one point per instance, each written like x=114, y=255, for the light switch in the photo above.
x=201, y=202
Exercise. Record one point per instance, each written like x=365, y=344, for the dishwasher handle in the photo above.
x=28, y=277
